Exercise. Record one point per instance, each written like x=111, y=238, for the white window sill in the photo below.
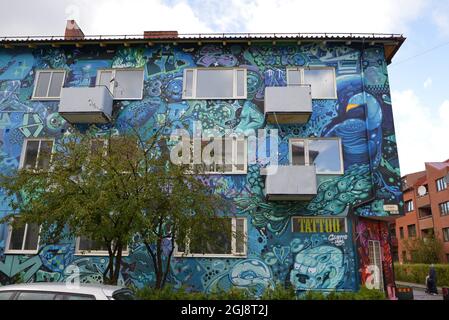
x=24, y=252
x=45, y=98
x=210, y=256
x=98, y=253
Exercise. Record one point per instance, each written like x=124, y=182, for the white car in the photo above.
x=64, y=291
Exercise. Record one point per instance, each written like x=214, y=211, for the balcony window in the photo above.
x=441, y=184
x=321, y=79
x=124, y=84
x=221, y=156
x=411, y=229
x=214, y=83
x=445, y=234
x=444, y=208
x=229, y=242
x=324, y=153
x=425, y=212
x=408, y=205
x=86, y=246
x=23, y=240
x=36, y=154
x=48, y=84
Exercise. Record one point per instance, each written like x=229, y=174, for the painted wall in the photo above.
x=275, y=254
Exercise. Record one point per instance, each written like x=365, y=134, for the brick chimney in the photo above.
x=160, y=34
x=73, y=31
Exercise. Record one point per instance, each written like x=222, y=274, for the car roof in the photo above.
x=84, y=288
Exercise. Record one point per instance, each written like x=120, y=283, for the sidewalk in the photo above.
x=416, y=285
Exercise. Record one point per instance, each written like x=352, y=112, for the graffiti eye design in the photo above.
x=249, y=274
x=324, y=258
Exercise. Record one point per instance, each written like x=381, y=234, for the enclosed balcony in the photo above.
x=290, y=182
x=86, y=104
x=286, y=105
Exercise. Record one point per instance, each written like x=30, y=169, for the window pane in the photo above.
x=241, y=83
x=298, y=156
x=213, y=243
x=32, y=148
x=322, y=82
x=36, y=296
x=129, y=84
x=214, y=83
x=240, y=236
x=43, y=81
x=6, y=295
x=16, y=240
x=32, y=237
x=56, y=84
x=325, y=154
x=104, y=79
x=70, y=296
x=241, y=151
x=294, y=77
x=90, y=245
x=189, y=83
x=45, y=154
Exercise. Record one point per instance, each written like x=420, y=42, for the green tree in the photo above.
x=424, y=250
x=110, y=189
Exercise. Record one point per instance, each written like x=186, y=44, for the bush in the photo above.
x=168, y=293
x=279, y=292
x=363, y=294
x=416, y=273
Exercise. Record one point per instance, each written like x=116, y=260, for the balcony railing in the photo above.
x=86, y=104
x=292, y=104
x=290, y=182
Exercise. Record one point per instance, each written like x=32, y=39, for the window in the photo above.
x=444, y=208
x=36, y=295
x=441, y=184
x=23, y=240
x=411, y=229
x=6, y=295
x=321, y=79
x=124, y=84
x=74, y=296
x=48, y=84
x=424, y=212
x=324, y=153
x=36, y=154
x=401, y=232
x=321, y=225
x=446, y=234
x=230, y=242
x=214, y=83
x=375, y=257
x=222, y=155
x=85, y=246
x=408, y=205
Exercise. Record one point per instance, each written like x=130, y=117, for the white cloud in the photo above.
x=422, y=131
x=441, y=20
x=427, y=83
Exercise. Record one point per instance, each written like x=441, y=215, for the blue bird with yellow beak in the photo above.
x=361, y=131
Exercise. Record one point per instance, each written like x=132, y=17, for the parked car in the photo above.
x=64, y=291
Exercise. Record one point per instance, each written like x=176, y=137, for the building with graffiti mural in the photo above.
x=319, y=223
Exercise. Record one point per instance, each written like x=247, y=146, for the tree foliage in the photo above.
x=114, y=190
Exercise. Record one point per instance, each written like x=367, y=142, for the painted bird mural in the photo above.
x=359, y=123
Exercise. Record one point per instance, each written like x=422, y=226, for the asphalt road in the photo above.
x=419, y=294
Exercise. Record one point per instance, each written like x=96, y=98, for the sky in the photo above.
x=419, y=73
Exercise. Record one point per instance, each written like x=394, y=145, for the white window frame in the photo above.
x=441, y=184
x=234, y=82
x=234, y=171
x=24, y=147
x=36, y=79
x=323, y=217
x=375, y=253
x=79, y=252
x=112, y=84
x=306, y=153
x=301, y=71
x=234, y=254
x=8, y=242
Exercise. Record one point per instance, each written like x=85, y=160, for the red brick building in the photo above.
x=426, y=205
